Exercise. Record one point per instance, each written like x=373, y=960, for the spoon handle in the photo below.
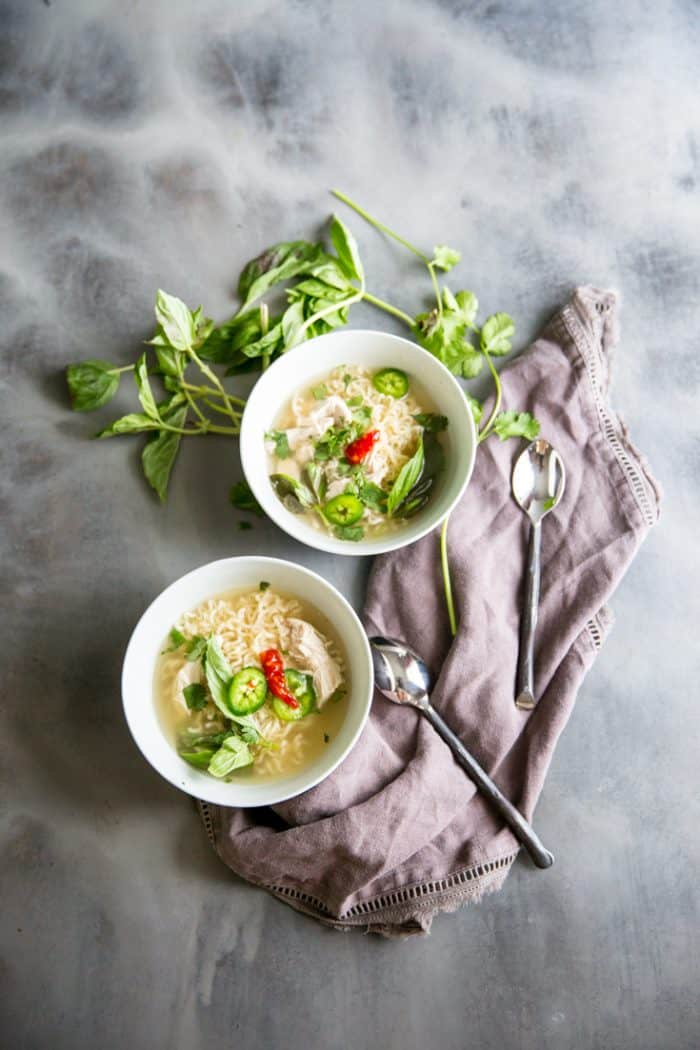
x=525, y=690
x=513, y=818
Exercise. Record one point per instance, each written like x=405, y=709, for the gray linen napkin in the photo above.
x=398, y=832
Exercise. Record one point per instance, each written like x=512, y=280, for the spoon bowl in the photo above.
x=539, y=479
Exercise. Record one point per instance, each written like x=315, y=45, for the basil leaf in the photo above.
x=198, y=759
x=218, y=674
x=406, y=479
x=312, y=288
x=431, y=422
x=234, y=753
x=268, y=343
x=226, y=339
x=496, y=334
x=445, y=258
x=195, y=696
x=295, y=496
x=91, y=384
x=134, y=423
x=516, y=424
x=176, y=320
x=349, y=532
x=346, y=246
x=275, y=264
x=292, y=321
x=243, y=499
x=328, y=269
x=160, y=453
x=282, y=450
x=316, y=479
x=148, y=402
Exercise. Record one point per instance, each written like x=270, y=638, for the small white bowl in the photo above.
x=311, y=362
x=147, y=642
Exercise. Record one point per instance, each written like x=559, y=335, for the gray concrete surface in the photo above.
x=149, y=144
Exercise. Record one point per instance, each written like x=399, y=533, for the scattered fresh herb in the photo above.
x=372, y=496
x=234, y=753
x=349, y=532
x=279, y=437
x=196, y=648
x=405, y=480
x=264, y=585
x=195, y=696
x=92, y=384
x=320, y=289
x=296, y=497
x=431, y=422
x=326, y=738
x=516, y=424
x=347, y=379
x=320, y=392
x=176, y=638
x=243, y=499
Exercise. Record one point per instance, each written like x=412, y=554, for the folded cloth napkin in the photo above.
x=398, y=832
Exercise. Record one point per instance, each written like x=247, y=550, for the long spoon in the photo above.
x=402, y=677
x=538, y=485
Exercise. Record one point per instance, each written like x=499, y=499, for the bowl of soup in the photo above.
x=357, y=442
x=247, y=681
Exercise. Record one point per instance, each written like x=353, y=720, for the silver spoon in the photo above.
x=538, y=485
x=402, y=677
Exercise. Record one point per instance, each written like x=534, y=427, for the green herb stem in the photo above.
x=488, y=426
x=126, y=368
x=212, y=392
x=380, y=225
x=436, y=288
x=264, y=328
x=394, y=310
x=447, y=582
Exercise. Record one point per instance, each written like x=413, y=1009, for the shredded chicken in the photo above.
x=331, y=411
x=306, y=646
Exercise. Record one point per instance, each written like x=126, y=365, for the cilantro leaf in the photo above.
x=349, y=532
x=497, y=333
x=445, y=258
x=476, y=407
x=282, y=450
x=516, y=424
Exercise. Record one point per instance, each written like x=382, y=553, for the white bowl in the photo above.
x=311, y=362
x=147, y=641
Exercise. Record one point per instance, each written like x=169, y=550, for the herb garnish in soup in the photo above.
x=251, y=683
x=356, y=453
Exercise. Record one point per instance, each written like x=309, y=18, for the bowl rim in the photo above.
x=130, y=712
x=320, y=540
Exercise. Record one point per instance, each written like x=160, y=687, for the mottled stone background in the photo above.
x=163, y=143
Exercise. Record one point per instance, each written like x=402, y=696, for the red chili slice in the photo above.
x=273, y=669
x=359, y=449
